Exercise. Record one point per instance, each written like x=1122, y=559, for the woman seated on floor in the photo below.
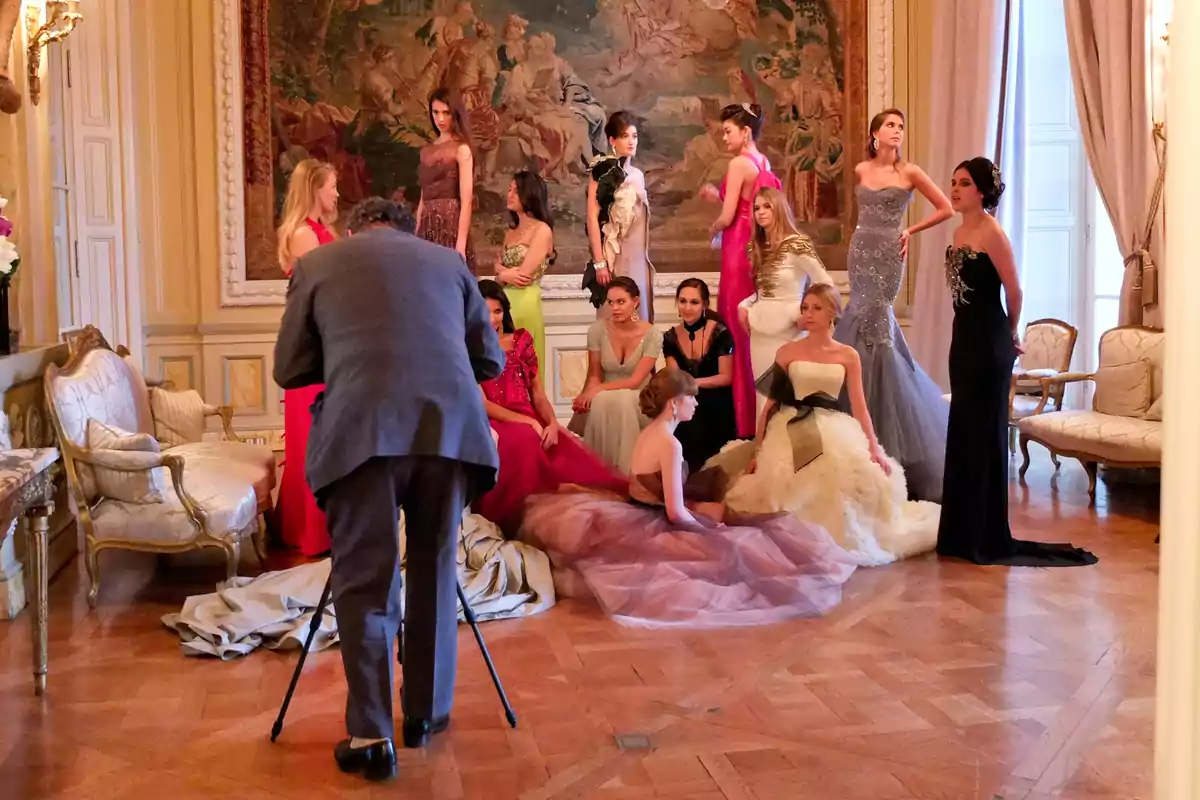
x=660, y=554
x=536, y=453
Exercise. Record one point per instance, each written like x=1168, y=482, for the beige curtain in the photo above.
x=1109, y=44
x=964, y=91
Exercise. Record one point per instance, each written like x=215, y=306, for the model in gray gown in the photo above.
x=906, y=405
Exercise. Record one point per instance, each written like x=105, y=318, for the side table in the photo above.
x=27, y=489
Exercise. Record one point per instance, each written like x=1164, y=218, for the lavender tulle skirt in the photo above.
x=646, y=571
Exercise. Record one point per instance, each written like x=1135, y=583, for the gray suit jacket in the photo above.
x=396, y=329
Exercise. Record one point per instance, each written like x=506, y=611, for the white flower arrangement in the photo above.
x=10, y=259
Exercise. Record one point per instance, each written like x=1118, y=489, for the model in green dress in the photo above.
x=527, y=253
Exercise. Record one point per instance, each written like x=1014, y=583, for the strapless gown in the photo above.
x=906, y=405
x=974, y=522
x=815, y=463
x=646, y=571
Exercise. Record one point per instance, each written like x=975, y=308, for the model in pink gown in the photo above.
x=737, y=283
x=301, y=523
x=646, y=571
x=527, y=468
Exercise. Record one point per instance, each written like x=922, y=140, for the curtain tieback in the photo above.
x=1145, y=279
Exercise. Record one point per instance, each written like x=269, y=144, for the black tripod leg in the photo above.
x=313, y=626
x=469, y=614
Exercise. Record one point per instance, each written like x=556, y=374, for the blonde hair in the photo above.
x=664, y=387
x=829, y=297
x=306, y=180
x=783, y=226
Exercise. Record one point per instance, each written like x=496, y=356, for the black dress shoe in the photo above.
x=376, y=762
x=418, y=731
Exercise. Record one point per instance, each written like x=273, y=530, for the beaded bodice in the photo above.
x=876, y=267
x=514, y=256
x=882, y=209
x=512, y=388
x=974, y=284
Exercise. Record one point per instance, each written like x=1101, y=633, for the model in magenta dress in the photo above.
x=526, y=467
x=737, y=283
x=301, y=523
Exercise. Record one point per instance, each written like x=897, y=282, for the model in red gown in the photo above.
x=526, y=467
x=301, y=523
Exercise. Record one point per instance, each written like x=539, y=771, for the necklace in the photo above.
x=694, y=328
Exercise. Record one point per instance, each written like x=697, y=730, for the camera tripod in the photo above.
x=468, y=613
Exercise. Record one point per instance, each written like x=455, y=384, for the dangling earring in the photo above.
x=674, y=411
x=636, y=317
x=874, y=142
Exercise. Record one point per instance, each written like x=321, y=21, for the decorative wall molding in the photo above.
x=881, y=17
x=236, y=290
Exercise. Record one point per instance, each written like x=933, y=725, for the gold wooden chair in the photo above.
x=1049, y=347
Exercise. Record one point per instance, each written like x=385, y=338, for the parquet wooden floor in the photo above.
x=931, y=680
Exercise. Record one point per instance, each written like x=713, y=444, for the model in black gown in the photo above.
x=714, y=424
x=974, y=520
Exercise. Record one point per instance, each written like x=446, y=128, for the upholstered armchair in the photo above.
x=140, y=473
x=1123, y=428
x=1049, y=346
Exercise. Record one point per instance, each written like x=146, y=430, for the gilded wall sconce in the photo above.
x=61, y=18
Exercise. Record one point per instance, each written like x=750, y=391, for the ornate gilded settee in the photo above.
x=1124, y=426
x=141, y=475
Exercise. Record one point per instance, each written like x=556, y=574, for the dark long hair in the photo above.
x=494, y=291
x=534, y=198
x=705, y=296
x=462, y=129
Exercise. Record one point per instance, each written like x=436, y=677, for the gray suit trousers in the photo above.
x=360, y=512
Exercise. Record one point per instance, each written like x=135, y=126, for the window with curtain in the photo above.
x=1071, y=265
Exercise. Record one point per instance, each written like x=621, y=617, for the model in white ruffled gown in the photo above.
x=822, y=465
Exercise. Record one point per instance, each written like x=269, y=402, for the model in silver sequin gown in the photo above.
x=906, y=406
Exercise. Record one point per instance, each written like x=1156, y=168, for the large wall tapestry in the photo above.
x=347, y=81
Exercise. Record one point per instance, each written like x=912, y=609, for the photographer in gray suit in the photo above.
x=397, y=330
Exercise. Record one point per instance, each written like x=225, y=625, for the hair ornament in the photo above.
x=996, y=176
x=748, y=110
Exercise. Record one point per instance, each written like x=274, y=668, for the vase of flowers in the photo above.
x=9, y=261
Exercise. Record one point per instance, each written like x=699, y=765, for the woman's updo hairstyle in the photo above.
x=625, y=284
x=986, y=177
x=829, y=297
x=664, y=387
x=744, y=115
x=618, y=123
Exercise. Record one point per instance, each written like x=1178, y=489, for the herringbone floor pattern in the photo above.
x=931, y=680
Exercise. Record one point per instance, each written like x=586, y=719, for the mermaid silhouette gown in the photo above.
x=974, y=523
x=647, y=571
x=815, y=463
x=906, y=405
